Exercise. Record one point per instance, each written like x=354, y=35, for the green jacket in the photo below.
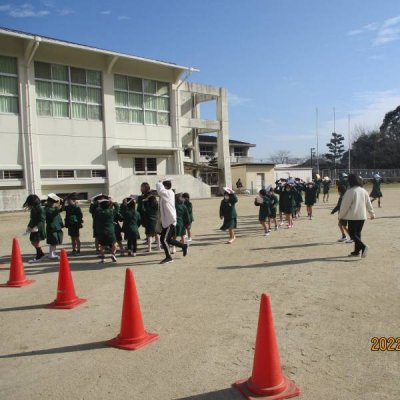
x=131, y=223
x=227, y=208
x=38, y=219
x=73, y=216
x=53, y=219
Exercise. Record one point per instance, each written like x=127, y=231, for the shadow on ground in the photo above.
x=58, y=350
x=224, y=394
x=286, y=263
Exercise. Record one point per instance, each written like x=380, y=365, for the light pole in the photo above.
x=312, y=151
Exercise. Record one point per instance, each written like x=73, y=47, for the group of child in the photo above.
x=111, y=222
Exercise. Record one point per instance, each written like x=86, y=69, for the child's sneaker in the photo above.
x=113, y=258
x=343, y=239
x=349, y=241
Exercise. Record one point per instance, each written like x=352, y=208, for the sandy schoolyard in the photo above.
x=327, y=308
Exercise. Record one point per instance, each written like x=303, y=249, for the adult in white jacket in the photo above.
x=168, y=219
x=355, y=205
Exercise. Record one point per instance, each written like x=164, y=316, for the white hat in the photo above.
x=291, y=181
x=326, y=178
x=228, y=190
x=53, y=196
x=268, y=188
x=344, y=174
x=166, y=179
x=318, y=176
x=377, y=176
x=103, y=200
x=95, y=196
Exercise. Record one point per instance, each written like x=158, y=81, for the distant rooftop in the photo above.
x=213, y=139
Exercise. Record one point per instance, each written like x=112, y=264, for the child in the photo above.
x=131, y=223
x=342, y=224
x=182, y=217
x=318, y=183
x=150, y=212
x=117, y=226
x=298, y=198
x=278, y=190
x=36, y=225
x=287, y=203
x=310, y=197
x=92, y=209
x=227, y=212
x=189, y=207
x=104, y=224
x=73, y=221
x=263, y=202
x=54, y=224
x=376, y=189
x=326, y=185
x=272, y=207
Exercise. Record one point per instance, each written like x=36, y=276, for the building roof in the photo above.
x=213, y=139
x=251, y=164
x=53, y=41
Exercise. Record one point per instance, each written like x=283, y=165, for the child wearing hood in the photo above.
x=73, y=222
x=54, y=224
x=376, y=189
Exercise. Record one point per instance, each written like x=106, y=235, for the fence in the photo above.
x=366, y=174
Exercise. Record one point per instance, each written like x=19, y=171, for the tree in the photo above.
x=212, y=160
x=336, y=148
x=280, y=157
x=390, y=127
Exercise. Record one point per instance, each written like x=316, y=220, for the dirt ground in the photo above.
x=326, y=308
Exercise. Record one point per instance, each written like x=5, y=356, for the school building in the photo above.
x=79, y=118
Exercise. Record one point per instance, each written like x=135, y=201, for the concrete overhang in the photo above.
x=123, y=149
x=201, y=124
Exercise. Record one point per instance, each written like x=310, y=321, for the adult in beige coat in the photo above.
x=355, y=205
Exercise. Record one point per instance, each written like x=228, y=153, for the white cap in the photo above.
x=167, y=179
x=97, y=195
x=268, y=188
x=53, y=196
x=103, y=200
x=377, y=176
x=228, y=190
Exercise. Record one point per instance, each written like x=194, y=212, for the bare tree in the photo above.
x=280, y=156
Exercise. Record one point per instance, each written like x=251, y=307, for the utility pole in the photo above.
x=316, y=131
x=349, y=139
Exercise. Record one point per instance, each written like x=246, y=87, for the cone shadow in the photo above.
x=58, y=350
x=224, y=394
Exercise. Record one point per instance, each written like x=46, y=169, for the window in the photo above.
x=69, y=92
x=145, y=166
x=99, y=173
x=71, y=173
x=141, y=101
x=65, y=173
x=11, y=174
x=206, y=150
x=8, y=85
x=239, y=152
x=187, y=152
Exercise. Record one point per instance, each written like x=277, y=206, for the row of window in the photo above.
x=69, y=92
x=72, y=173
x=11, y=174
x=142, y=166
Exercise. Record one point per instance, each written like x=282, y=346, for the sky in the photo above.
x=280, y=60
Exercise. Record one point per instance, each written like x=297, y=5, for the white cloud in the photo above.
x=236, y=100
x=370, y=114
x=384, y=32
x=388, y=32
x=373, y=26
x=105, y=12
x=63, y=12
x=123, y=17
x=23, y=11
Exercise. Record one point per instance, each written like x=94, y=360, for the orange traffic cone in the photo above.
x=66, y=297
x=267, y=380
x=132, y=335
x=17, y=273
